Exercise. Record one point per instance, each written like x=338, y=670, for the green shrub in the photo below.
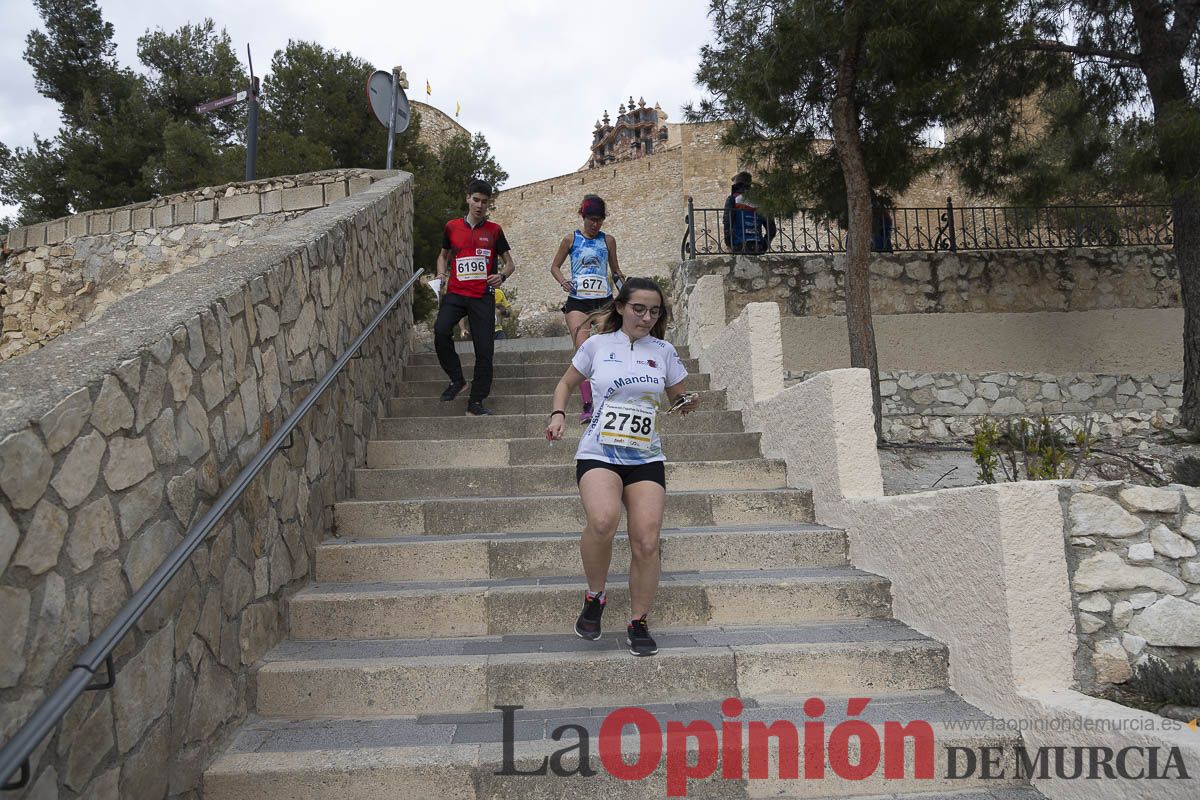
x=1159, y=682
x=1036, y=448
x=424, y=303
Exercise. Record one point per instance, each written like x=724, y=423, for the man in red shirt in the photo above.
x=471, y=248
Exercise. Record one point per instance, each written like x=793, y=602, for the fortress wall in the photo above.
x=647, y=203
x=69, y=271
x=437, y=127
x=117, y=437
x=645, y=215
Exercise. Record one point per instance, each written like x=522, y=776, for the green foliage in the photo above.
x=1187, y=471
x=71, y=57
x=1037, y=448
x=127, y=136
x=985, y=452
x=189, y=66
x=774, y=72
x=132, y=136
x=319, y=96
x=424, y=302
x=1159, y=682
x=1102, y=120
x=33, y=178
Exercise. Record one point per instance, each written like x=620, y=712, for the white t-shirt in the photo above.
x=624, y=371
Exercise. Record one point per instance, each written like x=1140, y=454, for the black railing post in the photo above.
x=950, y=224
x=692, y=226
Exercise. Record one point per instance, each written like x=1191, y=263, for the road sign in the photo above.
x=379, y=93
x=213, y=105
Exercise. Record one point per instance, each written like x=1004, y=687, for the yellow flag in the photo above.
x=428, y=88
x=457, y=108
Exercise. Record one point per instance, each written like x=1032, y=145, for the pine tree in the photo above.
x=1125, y=100
x=872, y=77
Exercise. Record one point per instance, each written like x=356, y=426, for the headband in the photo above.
x=592, y=207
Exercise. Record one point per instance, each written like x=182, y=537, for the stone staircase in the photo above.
x=453, y=580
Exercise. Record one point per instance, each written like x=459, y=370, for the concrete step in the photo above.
x=361, y=519
x=474, y=556
x=512, y=386
x=453, y=676
x=407, y=610
x=463, y=453
x=508, y=355
x=537, y=404
x=533, y=426
x=1010, y=793
x=686, y=476
x=555, y=369
x=459, y=756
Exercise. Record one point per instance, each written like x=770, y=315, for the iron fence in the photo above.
x=946, y=228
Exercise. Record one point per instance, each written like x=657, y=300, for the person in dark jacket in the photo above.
x=746, y=230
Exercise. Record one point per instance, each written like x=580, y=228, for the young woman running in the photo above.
x=593, y=255
x=620, y=458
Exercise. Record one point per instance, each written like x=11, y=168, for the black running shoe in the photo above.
x=588, y=624
x=452, y=391
x=641, y=643
x=476, y=409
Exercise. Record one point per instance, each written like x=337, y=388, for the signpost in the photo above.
x=213, y=105
x=250, y=94
x=385, y=93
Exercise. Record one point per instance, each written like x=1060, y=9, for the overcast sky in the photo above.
x=532, y=75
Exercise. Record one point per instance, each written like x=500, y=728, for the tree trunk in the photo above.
x=1185, y=210
x=1162, y=64
x=848, y=142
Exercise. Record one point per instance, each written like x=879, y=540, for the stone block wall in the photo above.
x=68, y=272
x=437, y=127
x=1068, y=279
x=645, y=203
x=117, y=437
x=1135, y=577
x=945, y=406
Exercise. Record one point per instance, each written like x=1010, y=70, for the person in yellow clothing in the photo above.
x=503, y=309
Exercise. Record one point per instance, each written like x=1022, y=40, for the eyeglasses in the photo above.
x=640, y=310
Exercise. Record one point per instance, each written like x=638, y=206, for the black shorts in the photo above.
x=630, y=473
x=586, y=306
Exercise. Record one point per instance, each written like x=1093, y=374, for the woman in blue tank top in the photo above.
x=593, y=255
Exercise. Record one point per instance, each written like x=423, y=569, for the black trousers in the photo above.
x=481, y=316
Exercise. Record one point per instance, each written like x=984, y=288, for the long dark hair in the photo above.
x=607, y=320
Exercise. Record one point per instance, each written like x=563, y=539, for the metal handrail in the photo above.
x=15, y=754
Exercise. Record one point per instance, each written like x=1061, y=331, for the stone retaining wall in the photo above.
x=67, y=272
x=1068, y=279
x=943, y=406
x=1135, y=577
x=117, y=437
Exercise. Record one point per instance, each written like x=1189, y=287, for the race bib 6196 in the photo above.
x=471, y=268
